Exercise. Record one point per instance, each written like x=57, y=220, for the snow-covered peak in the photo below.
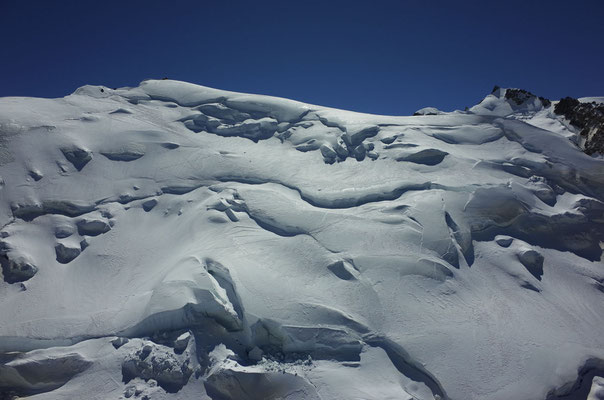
x=505, y=102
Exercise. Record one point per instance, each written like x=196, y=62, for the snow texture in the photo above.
x=172, y=241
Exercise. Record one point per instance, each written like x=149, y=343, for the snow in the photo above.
x=597, y=389
x=591, y=99
x=256, y=247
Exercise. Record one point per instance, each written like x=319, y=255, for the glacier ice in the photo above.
x=177, y=241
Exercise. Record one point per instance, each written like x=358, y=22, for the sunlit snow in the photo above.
x=181, y=242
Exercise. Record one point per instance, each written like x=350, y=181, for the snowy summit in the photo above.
x=172, y=241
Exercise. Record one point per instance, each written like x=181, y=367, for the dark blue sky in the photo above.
x=385, y=57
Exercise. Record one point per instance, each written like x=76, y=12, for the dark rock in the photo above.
x=16, y=270
x=589, y=118
x=66, y=254
x=566, y=107
x=92, y=227
x=520, y=96
x=149, y=205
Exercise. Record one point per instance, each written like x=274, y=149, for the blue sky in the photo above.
x=385, y=57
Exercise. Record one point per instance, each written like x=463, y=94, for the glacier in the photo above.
x=173, y=241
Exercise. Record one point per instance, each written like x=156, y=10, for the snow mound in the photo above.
x=428, y=111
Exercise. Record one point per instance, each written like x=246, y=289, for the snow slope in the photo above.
x=175, y=241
